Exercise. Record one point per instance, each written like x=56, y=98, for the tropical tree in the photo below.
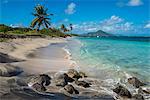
x=63, y=28
x=41, y=17
x=71, y=28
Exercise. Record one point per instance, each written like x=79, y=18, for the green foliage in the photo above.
x=4, y=28
x=18, y=31
x=52, y=32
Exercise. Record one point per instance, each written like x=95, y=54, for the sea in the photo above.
x=112, y=58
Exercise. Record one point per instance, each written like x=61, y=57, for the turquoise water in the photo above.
x=108, y=58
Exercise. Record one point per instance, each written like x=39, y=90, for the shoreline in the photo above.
x=53, y=59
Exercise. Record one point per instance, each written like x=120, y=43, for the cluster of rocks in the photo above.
x=75, y=84
x=123, y=92
x=40, y=82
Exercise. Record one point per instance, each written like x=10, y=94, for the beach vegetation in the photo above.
x=4, y=28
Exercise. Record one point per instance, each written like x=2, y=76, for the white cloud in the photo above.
x=114, y=24
x=112, y=20
x=147, y=25
x=16, y=25
x=71, y=8
x=135, y=3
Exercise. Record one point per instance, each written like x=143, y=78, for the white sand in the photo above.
x=19, y=48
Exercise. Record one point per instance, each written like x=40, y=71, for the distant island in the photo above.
x=98, y=33
x=103, y=34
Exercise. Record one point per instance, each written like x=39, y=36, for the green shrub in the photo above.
x=4, y=28
x=17, y=32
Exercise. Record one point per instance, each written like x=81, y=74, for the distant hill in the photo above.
x=98, y=33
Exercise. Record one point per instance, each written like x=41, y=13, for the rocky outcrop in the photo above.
x=135, y=82
x=8, y=70
x=122, y=91
x=39, y=82
x=70, y=89
x=63, y=79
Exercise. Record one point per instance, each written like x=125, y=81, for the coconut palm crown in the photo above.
x=41, y=18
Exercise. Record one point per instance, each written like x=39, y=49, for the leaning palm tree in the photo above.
x=41, y=18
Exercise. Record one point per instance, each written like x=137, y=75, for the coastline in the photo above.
x=53, y=59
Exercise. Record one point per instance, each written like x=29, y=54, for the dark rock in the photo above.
x=5, y=58
x=135, y=82
x=8, y=70
x=63, y=80
x=38, y=87
x=70, y=89
x=138, y=97
x=45, y=79
x=82, y=83
x=122, y=91
x=40, y=82
x=73, y=74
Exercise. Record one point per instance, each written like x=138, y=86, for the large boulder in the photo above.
x=38, y=87
x=135, y=82
x=39, y=82
x=122, y=91
x=8, y=70
x=70, y=89
x=63, y=79
x=73, y=74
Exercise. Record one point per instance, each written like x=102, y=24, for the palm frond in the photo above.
x=34, y=22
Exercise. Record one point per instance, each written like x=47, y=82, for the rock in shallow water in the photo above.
x=135, y=82
x=122, y=91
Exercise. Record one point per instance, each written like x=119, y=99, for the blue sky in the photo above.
x=125, y=17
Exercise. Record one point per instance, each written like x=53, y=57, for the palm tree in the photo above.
x=71, y=28
x=64, y=29
x=41, y=17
